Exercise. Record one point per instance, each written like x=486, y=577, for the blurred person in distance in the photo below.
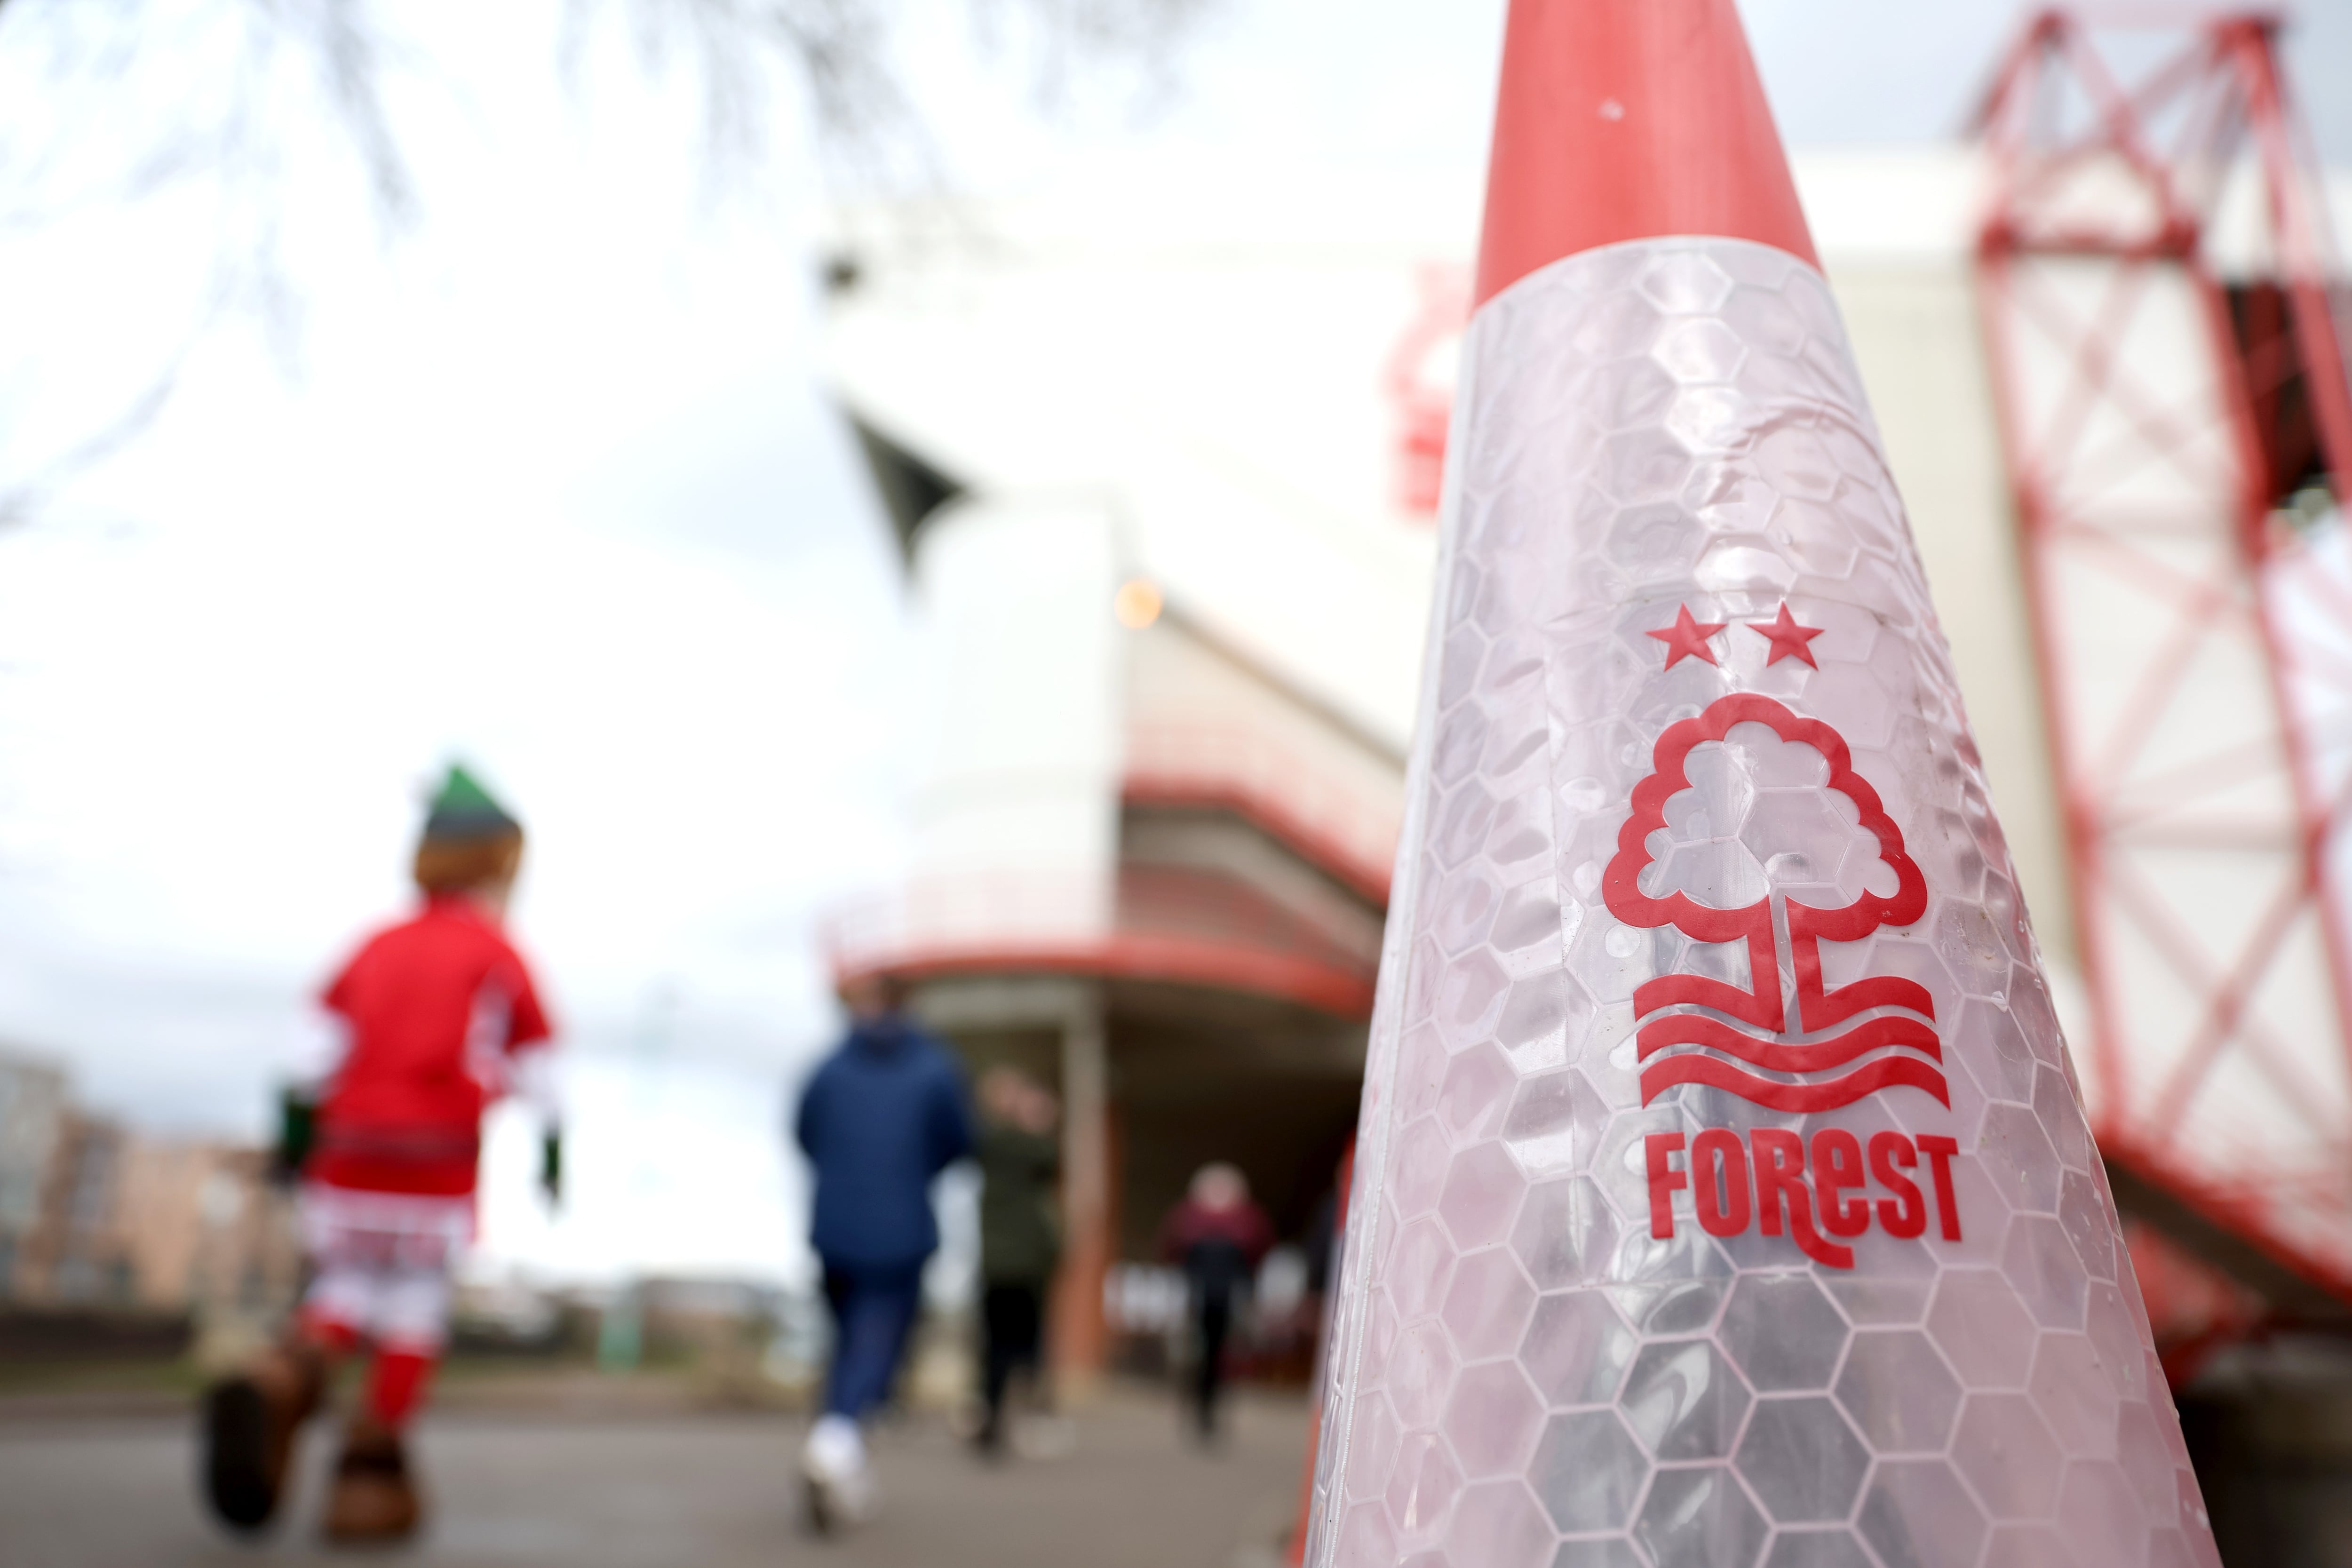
x=1217, y=1236
x=433, y=1018
x=1020, y=1235
x=882, y=1115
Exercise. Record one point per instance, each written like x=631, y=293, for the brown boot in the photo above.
x=250, y=1422
x=373, y=1500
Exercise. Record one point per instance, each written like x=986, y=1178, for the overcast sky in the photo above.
x=544, y=480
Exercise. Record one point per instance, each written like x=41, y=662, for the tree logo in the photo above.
x=1788, y=837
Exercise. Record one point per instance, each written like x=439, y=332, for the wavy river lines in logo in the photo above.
x=1811, y=856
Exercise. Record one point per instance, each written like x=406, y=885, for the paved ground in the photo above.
x=706, y=1489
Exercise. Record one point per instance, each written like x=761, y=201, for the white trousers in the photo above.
x=384, y=1262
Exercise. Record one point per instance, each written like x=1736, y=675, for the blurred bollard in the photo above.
x=1724, y=1196
x=621, y=1331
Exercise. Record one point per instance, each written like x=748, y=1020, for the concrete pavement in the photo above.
x=707, y=1490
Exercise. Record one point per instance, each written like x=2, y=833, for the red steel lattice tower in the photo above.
x=2162, y=314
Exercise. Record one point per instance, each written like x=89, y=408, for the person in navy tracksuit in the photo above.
x=884, y=1113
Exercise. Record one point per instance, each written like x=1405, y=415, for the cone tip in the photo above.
x=1622, y=120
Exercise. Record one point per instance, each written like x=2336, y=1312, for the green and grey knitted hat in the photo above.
x=464, y=811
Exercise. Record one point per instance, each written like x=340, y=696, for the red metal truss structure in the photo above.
x=2161, y=309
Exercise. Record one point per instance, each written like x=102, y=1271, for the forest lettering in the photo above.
x=1731, y=1189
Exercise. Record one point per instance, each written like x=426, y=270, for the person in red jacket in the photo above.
x=435, y=1017
x=1218, y=1237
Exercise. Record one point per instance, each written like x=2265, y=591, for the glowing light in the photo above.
x=1136, y=603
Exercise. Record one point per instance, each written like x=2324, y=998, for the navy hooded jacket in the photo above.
x=883, y=1114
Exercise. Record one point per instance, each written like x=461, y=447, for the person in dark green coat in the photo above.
x=1020, y=1233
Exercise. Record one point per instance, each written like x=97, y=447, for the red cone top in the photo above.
x=1625, y=119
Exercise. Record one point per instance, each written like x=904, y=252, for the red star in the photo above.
x=1788, y=639
x=1686, y=638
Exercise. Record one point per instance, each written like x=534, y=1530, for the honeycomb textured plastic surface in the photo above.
x=1659, y=445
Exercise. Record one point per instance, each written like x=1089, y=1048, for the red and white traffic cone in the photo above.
x=1724, y=1197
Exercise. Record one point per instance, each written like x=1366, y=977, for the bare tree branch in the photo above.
x=148, y=99
x=234, y=87
x=23, y=498
x=838, y=49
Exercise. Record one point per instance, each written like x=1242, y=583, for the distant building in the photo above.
x=32, y=1121
x=202, y=1227
x=94, y=1214
x=79, y=1253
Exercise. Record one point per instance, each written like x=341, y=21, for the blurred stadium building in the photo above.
x=1163, y=470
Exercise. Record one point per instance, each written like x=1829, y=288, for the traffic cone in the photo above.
x=1723, y=1195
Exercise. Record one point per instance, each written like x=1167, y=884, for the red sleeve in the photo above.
x=527, y=1022
x=337, y=996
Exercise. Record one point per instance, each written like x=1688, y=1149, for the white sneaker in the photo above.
x=839, y=1481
